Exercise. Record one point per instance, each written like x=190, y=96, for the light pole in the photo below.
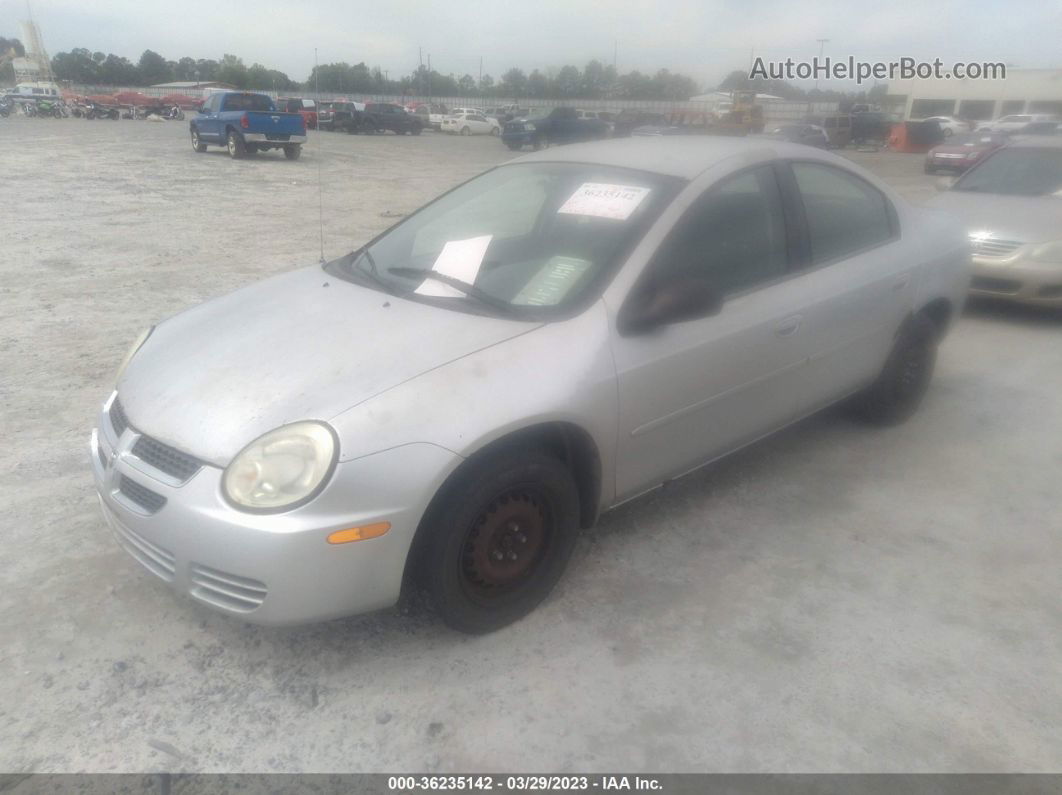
x=822, y=45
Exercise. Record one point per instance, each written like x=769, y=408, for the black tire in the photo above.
x=292, y=151
x=113, y=115
x=904, y=381
x=235, y=145
x=198, y=144
x=514, y=146
x=515, y=499
x=417, y=130
x=465, y=131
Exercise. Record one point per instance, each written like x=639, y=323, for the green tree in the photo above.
x=513, y=84
x=117, y=71
x=537, y=84
x=467, y=85
x=76, y=66
x=486, y=85
x=231, y=70
x=568, y=83
x=153, y=68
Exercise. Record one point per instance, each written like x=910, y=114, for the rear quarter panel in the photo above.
x=944, y=270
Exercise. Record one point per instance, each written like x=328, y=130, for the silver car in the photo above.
x=446, y=406
x=1012, y=207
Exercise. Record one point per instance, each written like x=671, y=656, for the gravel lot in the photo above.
x=836, y=598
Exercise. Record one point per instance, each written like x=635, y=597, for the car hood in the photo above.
x=303, y=345
x=1030, y=219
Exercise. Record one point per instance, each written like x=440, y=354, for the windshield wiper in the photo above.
x=468, y=289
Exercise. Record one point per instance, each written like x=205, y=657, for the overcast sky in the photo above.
x=701, y=38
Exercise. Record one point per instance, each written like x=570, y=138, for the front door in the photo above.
x=691, y=391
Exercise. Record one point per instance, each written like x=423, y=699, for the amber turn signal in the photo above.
x=359, y=533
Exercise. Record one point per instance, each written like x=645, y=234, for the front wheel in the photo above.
x=292, y=151
x=465, y=131
x=197, y=144
x=416, y=130
x=495, y=131
x=235, y=145
x=904, y=380
x=499, y=538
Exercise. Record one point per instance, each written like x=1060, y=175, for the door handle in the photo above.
x=789, y=326
x=901, y=282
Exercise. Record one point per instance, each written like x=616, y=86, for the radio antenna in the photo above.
x=320, y=195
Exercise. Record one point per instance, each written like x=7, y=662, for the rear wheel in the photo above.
x=292, y=151
x=465, y=131
x=197, y=144
x=500, y=538
x=235, y=145
x=904, y=381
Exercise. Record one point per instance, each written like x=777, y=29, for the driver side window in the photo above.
x=732, y=238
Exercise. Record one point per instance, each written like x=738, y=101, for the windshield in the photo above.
x=530, y=239
x=1017, y=171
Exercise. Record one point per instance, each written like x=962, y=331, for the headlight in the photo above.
x=1048, y=252
x=132, y=352
x=283, y=467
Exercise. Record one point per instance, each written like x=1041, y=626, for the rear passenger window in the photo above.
x=845, y=214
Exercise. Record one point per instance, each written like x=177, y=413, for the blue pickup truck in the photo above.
x=246, y=123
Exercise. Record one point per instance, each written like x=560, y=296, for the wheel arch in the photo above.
x=571, y=443
x=940, y=311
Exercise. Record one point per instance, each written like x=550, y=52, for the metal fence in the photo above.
x=774, y=112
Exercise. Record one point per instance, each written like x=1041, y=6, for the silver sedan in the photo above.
x=1011, y=204
x=445, y=407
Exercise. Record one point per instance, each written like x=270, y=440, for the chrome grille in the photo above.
x=165, y=458
x=991, y=247
x=226, y=590
x=118, y=419
x=152, y=557
x=142, y=496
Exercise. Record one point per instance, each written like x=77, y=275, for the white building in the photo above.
x=1022, y=91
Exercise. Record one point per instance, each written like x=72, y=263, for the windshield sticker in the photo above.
x=553, y=282
x=460, y=259
x=604, y=201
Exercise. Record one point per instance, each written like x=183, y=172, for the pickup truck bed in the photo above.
x=245, y=123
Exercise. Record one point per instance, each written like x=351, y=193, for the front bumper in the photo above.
x=524, y=137
x=262, y=138
x=269, y=568
x=1015, y=279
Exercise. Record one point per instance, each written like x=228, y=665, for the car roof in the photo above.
x=678, y=156
x=1035, y=142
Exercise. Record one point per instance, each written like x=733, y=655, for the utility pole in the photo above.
x=429, y=78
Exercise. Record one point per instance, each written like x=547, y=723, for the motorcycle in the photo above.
x=49, y=107
x=174, y=114
x=93, y=110
x=5, y=107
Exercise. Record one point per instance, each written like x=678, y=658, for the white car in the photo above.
x=1016, y=122
x=950, y=126
x=471, y=124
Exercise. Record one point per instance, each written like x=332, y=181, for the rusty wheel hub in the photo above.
x=505, y=542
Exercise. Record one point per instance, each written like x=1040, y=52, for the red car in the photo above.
x=962, y=151
x=306, y=107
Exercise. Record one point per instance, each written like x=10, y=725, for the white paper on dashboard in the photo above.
x=602, y=200
x=460, y=259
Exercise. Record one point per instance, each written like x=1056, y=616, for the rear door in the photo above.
x=857, y=283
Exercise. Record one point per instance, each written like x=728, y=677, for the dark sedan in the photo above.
x=962, y=151
x=807, y=134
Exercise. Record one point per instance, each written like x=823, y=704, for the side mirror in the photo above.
x=945, y=183
x=675, y=302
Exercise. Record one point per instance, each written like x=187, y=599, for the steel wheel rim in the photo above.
x=506, y=543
